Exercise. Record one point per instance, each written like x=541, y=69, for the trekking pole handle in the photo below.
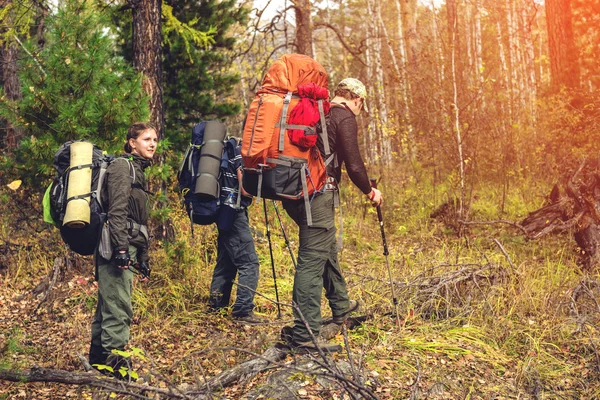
x=373, y=183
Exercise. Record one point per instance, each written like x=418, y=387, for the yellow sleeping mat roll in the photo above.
x=77, y=213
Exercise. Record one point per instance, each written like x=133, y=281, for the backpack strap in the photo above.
x=306, y=200
x=282, y=122
x=184, y=160
x=68, y=172
x=131, y=172
x=258, y=189
x=324, y=135
x=103, y=166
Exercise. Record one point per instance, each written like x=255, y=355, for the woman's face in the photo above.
x=145, y=144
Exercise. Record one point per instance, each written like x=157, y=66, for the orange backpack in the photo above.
x=275, y=167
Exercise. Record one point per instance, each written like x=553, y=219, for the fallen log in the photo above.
x=96, y=380
x=574, y=207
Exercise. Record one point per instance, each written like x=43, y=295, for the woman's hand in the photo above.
x=122, y=259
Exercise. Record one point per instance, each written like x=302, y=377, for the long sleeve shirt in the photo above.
x=127, y=199
x=342, y=131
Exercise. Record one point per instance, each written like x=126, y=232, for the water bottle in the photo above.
x=229, y=200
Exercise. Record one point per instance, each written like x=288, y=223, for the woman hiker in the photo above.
x=125, y=191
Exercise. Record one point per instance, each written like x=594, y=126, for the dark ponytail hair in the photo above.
x=134, y=131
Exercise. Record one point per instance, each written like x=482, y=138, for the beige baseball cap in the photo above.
x=356, y=87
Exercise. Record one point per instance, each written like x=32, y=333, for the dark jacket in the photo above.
x=127, y=201
x=342, y=131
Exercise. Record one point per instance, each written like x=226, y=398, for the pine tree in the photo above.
x=197, y=57
x=198, y=80
x=75, y=88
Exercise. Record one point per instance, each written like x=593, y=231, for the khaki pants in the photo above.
x=317, y=265
x=110, y=327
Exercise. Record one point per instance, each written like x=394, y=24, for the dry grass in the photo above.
x=477, y=322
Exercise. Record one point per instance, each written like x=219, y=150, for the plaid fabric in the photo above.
x=355, y=86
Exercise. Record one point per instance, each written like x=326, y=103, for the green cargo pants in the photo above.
x=110, y=327
x=317, y=265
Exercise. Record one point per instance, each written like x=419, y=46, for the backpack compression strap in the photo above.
x=283, y=125
x=80, y=196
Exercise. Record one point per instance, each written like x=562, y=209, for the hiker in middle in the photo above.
x=317, y=256
x=235, y=248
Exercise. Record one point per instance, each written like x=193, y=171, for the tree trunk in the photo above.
x=529, y=55
x=405, y=84
x=410, y=8
x=503, y=66
x=12, y=87
x=573, y=207
x=438, y=47
x=469, y=33
x=370, y=139
x=478, y=50
x=147, y=59
x=452, y=39
x=304, y=42
x=147, y=55
x=378, y=103
x=564, y=60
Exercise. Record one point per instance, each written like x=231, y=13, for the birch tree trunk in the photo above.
x=469, y=41
x=438, y=47
x=478, y=51
x=510, y=34
x=370, y=139
x=441, y=121
x=452, y=40
x=304, y=42
x=381, y=111
x=520, y=58
x=412, y=38
x=530, y=15
x=504, y=66
x=405, y=89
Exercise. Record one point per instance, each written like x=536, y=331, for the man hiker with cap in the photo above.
x=317, y=256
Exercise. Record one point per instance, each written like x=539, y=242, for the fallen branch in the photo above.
x=505, y=253
x=37, y=374
x=59, y=262
x=245, y=370
x=498, y=221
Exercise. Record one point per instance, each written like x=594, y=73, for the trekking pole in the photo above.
x=272, y=261
x=285, y=237
x=386, y=253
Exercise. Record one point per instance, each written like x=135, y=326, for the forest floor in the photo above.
x=488, y=315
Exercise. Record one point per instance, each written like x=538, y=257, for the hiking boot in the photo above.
x=312, y=347
x=97, y=355
x=250, y=319
x=353, y=306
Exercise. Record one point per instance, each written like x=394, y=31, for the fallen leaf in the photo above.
x=14, y=185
